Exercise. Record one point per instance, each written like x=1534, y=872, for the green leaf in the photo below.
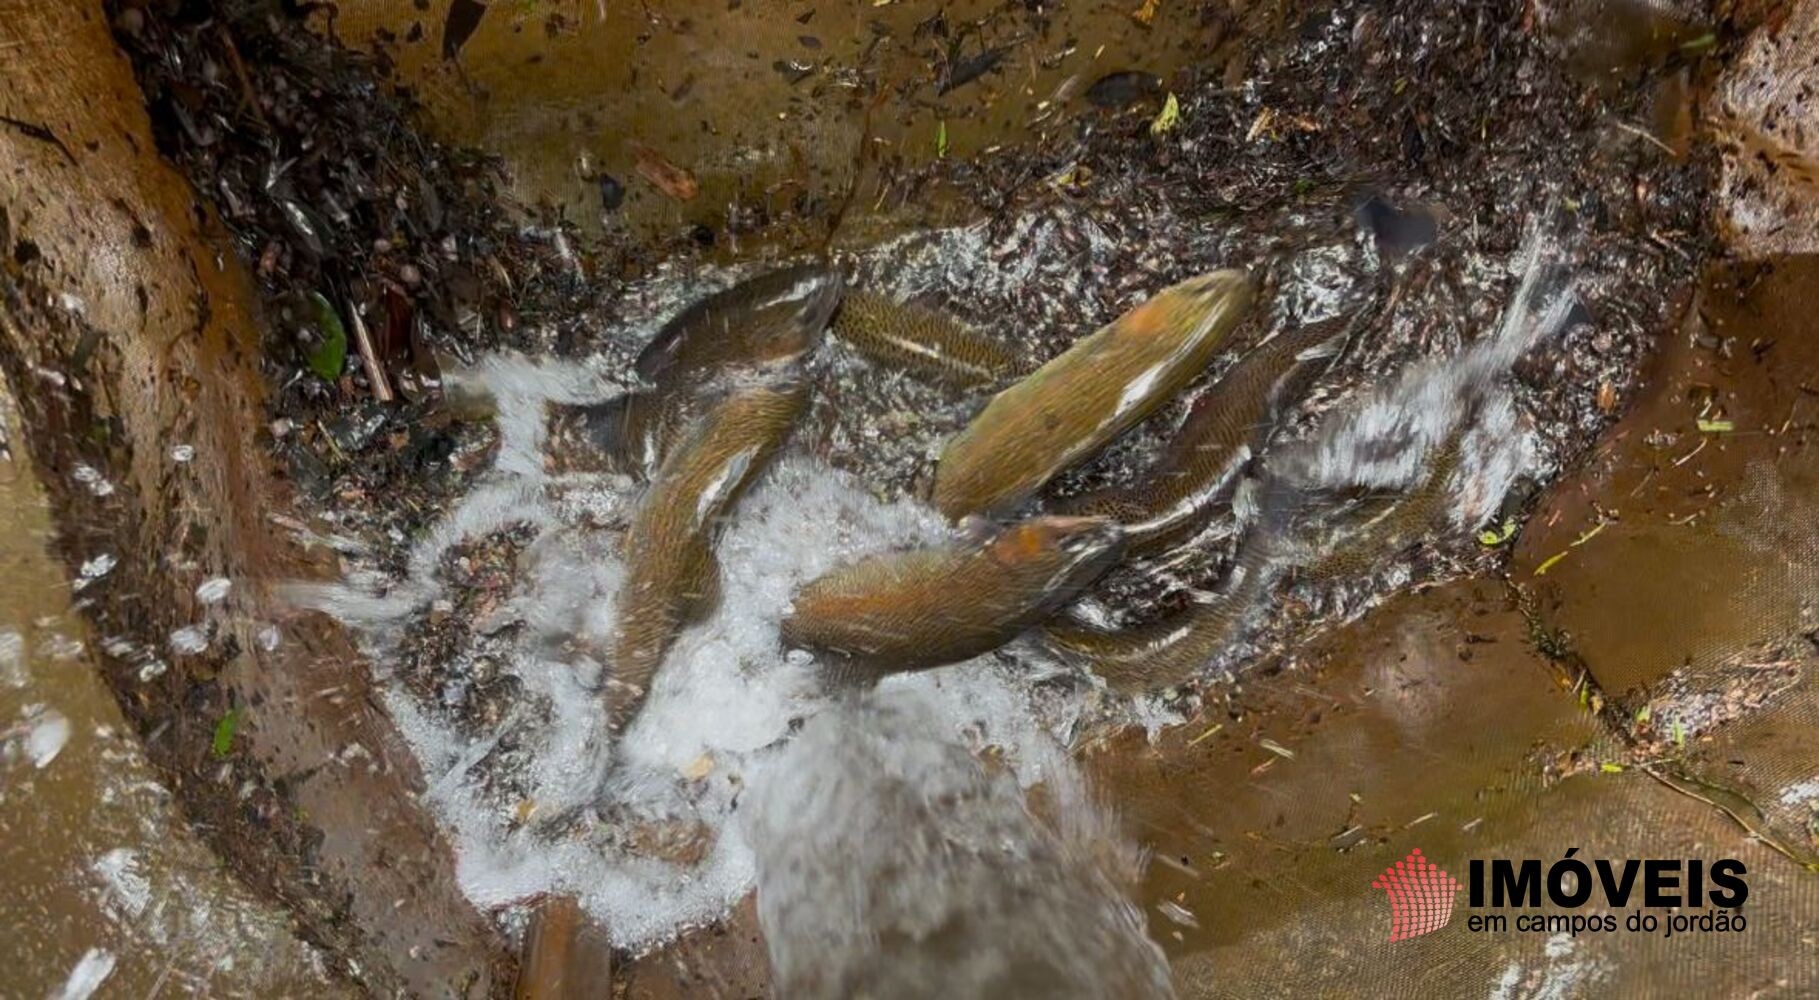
x=1643, y=714
x=1704, y=41
x=1715, y=426
x=224, y=732
x=1609, y=768
x=1679, y=734
x=1492, y=537
x=329, y=356
x=941, y=139
x=1168, y=117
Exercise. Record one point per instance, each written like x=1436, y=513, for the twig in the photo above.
x=1735, y=818
x=41, y=133
x=375, y=373
x=1644, y=133
x=246, y=83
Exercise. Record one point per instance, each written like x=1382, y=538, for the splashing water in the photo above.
x=665, y=856
x=892, y=863
x=1388, y=439
x=510, y=733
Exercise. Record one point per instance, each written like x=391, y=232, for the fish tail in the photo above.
x=592, y=437
x=1159, y=654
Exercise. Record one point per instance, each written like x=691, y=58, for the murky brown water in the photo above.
x=763, y=103
x=102, y=873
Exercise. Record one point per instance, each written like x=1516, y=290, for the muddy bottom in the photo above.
x=105, y=887
x=767, y=116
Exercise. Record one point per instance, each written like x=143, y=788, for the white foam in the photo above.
x=47, y=733
x=1387, y=439
x=126, y=886
x=88, y=975
x=727, y=695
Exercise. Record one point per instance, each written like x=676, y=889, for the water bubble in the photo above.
x=12, y=659
x=189, y=639
x=94, y=569
x=48, y=734
x=59, y=647
x=92, y=478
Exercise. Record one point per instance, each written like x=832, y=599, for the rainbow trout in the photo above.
x=920, y=609
x=767, y=323
x=1096, y=390
x=923, y=342
x=1379, y=527
x=1225, y=426
x=671, y=576
x=1172, y=649
x=775, y=317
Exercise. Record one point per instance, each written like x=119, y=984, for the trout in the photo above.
x=1380, y=526
x=775, y=317
x=922, y=341
x=628, y=434
x=1229, y=422
x=1096, y=390
x=920, y=609
x=671, y=576
x=767, y=323
x=1172, y=649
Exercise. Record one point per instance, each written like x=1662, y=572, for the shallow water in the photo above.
x=725, y=698
x=487, y=632
x=765, y=104
x=106, y=891
x=474, y=631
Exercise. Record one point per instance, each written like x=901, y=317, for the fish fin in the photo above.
x=594, y=437
x=1324, y=350
x=846, y=676
x=976, y=529
x=1310, y=364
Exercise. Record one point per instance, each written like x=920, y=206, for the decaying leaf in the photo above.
x=1168, y=117
x=330, y=355
x=669, y=178
x=1492, y=537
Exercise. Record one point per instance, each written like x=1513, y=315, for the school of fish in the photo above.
x=724, y=382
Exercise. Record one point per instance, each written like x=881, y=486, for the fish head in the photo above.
x=787, y=311
x=1066, y=547
x=1200, y=300
x=777, y=317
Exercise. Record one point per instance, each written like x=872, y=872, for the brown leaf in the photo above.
x=669, y=178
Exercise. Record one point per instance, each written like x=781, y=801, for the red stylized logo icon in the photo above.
x=1421, y=896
